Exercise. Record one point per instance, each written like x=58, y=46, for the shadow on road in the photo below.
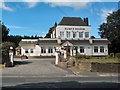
x=59, y=85
x=21, y=62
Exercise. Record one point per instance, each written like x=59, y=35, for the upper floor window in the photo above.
x=86, y=34
x=50, y=50
x=102, y=49
x=43, y=50
x=31, y=50
x=80, y=34
x=68, y=34
x=81, y=49
x=61, y=34
x=96, y=49
x=26, y=50
x=74, y=35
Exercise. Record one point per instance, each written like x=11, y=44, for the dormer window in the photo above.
x=74, y=35
x=86, y=34
x=80, y=34
x=68, y=34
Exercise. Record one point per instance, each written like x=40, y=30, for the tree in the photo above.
x=48, y=35
x=5, y=32
x=92, y=37
x=111, y=31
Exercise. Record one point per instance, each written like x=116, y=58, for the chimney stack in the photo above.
x=86, y=21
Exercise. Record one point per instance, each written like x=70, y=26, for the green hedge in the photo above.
x=112, y=55
x=82, y=56
x=117, y=55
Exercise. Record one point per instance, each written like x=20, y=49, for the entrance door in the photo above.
x=68, y=51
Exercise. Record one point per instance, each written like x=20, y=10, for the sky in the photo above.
x=35, y=18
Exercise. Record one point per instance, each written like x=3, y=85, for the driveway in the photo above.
x=35, y=67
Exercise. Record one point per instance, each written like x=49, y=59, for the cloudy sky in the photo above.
x=31, y=18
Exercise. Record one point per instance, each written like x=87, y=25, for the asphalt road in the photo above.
x=43, y=74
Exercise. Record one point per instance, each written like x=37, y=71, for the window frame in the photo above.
x=26, y=51
x=31, y=51
x=62, y=34
x=43, y=50
x=74, y=34
x=80, y=33
x=68, y=34
x=101, y=49
x=87, y=33
x=95, y=49
x=50, y=50
x=82, y=49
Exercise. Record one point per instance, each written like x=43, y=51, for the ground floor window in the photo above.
x=50, y=50
x=31, y=50
x=26, y=50
x=43, y=50
x=102, y=49
x=96, y=49
x=81, y=49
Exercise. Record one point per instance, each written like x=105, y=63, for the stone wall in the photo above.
x=99, y=67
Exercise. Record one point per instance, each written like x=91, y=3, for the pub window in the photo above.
x=43, y=50
x=74, y=34
x=50, y=50
x=68, y=34
x=80, y=34
x=31, y=50
x=26, y=50
x=102, y=49
x=87, y=34
x=96, y=49
x=81, y=49
x=61, y=34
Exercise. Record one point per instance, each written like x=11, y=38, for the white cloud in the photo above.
x=12, y=26
x=77, y=4
x=104, y=13
x=3, y=6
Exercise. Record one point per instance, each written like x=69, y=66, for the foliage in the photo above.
x=110, y=60
x=82, y=56
x=48, y=35
x=112, y=55
x=92, y=37
x=117, y=55
x=111, y=31
x=73, y=63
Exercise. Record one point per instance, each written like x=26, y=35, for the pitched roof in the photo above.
x=72, y=21
x=47, y=41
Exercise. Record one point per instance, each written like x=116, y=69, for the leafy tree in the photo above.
x=5, y=32
x=48, y=35
x=111, y=31
x=92, y=37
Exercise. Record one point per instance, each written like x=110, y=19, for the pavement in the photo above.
x=42, y=73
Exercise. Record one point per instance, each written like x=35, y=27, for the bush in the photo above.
x=117, y=55
x=112, y=55
x=73, y=63
x=82, y=56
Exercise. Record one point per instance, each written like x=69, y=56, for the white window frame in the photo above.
x=95, y=48
x=74, y=34
x=43, y=50
x=26, y=50
x=80, y=34
x=61, y=34
x=82, y=49
x=50, y=50
x=68, y=34
x=87, y=34
x=102, y=49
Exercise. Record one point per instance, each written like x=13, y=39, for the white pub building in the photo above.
x=72, y=36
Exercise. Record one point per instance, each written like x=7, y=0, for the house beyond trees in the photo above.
x=72, y=36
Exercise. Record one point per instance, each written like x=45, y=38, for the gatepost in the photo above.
x=57, y=57
x=11, y=56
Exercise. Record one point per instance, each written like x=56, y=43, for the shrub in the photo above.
x=82, y=56
x=73, y=63
x=117, y=55
x=112, y=55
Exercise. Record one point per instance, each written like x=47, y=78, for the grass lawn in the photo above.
x=111, y=60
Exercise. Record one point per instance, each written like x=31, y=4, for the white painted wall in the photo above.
x=62, y=28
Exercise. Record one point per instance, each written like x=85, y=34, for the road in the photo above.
x=42, y=73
